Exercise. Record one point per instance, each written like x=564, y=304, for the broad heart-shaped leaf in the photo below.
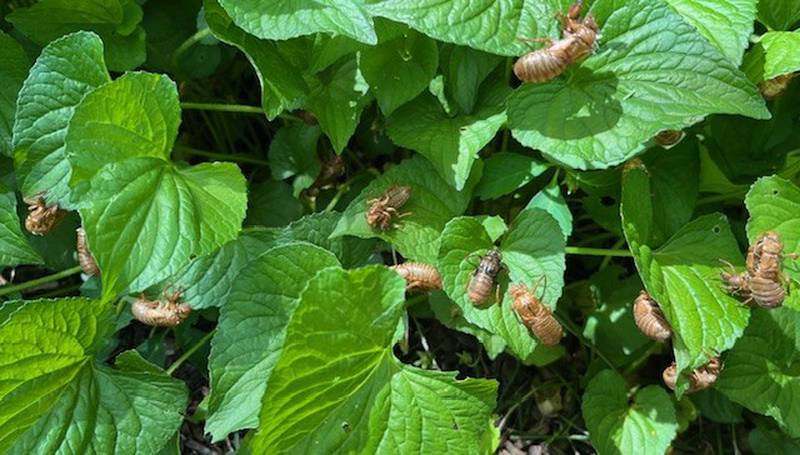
x=316, y=228
x=136, y=115
x=14, y=66
x=207, y=280
x=337, y=99
x=450, y=143
x=533, y=252
x=464, y=70
x=64, y=73
x=432, y=204
x=489, y=25
x=725, y=24
x=116, y=21
x=348, y=394
x=293, y=153
x=761, y=371
x=682, y=275
x=551, y=201
x=57, y=398
x=504, y=172
x=148, y=217
x=617, y=426
x=774, y=204
x=778, y=14
x=281, y=88
x=620, y=97
x=14, y=247
x=412, y=55
x=292, y=18
x=774, y=55
x=271, y=203
x=252, y=330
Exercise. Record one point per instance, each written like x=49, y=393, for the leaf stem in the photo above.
x=40, y=281
x=190, y=41
x=188, y=353
x=222, y=107
x=221, y=156
x=584, y=251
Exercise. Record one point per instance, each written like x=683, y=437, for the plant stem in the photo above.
x=40, y=281
x=584, y=251
x=221, y=156
x=190, y=41
x=222, y=107
x=177, y=363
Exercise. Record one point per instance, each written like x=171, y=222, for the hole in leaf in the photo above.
x=716, y=230
x=608, y=201
x=346, y=427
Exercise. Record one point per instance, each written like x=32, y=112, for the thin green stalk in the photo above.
x=607, y=259
x=221, y=156
x=584, y=251
x=575, y=331
x=177, y=363
x=40, y=281
x=222, y=107
x=190, y=41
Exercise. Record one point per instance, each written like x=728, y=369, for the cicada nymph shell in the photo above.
x=166, y=312
x=381, y=211
x=578, y=38
x=332, y=168
x=764, y=258
x=42, y=219
x=669, y=138
x=420, y=277
x=536, y=316
x=482, y=282
x=700, y=378
x=650, y=319
x=773, y=88
x=762, y=281
x=85, y=258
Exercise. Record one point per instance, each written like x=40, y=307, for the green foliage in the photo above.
x=222, y=156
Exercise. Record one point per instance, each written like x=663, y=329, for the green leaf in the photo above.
x=725, y=24
x=778, y=14
x=252, y=332
x=116, y=21
x=137, y=115
x=14, y=66
x=399, y=69
x=716, y=406
x=66, y=70
x=450, y=143
x=626, y=92
x=533, y=248
x=207, y=280
x=551, y=201
x=464, y=71
x=147, y=218
x=337, y=100
x=505, y=172
x=769, y=440
x=57, y=398
x=14, y=247
x=281, y=87
x=774, y=204
x=761, y=371
x=610, y=326
x=682, y=276
x=317, y=228
x=773, y=56
x=303, y=410
x=293, y=153
x=488, y=25
x=646, y=425
x=272, y=204
x=292, y=18
x=432, y=204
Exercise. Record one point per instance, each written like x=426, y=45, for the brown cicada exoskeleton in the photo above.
x=700, y=378
x=762, y=282
x=669, y=138
x=578, y=39
x=482, y=283
x=536, y=316
x=166, y=312
x=650, y=319
x=85, y=258
x=41, y=218
x=420, y=277
x=773, y=88
x=381, y=211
